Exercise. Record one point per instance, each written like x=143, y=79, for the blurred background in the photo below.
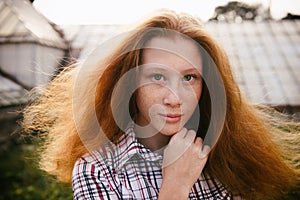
x=39, y=37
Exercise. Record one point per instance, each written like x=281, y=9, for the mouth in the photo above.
x=171, y=118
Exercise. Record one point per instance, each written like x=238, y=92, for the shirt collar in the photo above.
x=128, y=146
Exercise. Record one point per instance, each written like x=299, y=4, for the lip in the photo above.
x=172, y=118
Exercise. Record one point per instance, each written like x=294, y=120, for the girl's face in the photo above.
x=170, y=84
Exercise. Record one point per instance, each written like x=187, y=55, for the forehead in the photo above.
x=177, y=49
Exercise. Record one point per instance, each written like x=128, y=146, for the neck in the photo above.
x=153, y=142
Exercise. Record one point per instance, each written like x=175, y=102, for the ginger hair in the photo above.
x=257, y=154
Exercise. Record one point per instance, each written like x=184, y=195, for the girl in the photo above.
x=129, y=124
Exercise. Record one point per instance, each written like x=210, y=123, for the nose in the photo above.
x=172, y=98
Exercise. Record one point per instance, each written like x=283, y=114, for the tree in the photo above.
x=235, y=11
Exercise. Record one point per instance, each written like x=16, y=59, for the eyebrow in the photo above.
x=158, y=66
x=193, y=69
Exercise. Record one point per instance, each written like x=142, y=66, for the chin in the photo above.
x=170, y=130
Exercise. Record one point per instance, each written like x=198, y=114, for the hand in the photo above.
x=183, y=163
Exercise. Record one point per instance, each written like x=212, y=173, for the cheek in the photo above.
x=145, y=99
x=191, y=101
x=192, y=97
x=198, y=90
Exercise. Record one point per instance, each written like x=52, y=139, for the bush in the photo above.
x=22, y=180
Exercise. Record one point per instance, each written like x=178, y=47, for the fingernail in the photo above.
x=205, y=151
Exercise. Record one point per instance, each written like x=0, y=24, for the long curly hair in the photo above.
x=257, y=155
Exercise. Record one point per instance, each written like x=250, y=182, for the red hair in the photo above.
x=256, y=156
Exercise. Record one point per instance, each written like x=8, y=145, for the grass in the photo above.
x=21, y=178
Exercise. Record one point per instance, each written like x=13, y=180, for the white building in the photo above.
x=30, y=47
x=31, y=50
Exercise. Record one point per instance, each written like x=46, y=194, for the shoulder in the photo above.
x=99, y=158
x=108, y=158
x=93, y=177
x=94, y=168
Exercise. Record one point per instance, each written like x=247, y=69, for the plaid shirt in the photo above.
x=128, y=170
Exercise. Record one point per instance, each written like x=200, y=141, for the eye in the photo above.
x=157, y=77
x=188, y=77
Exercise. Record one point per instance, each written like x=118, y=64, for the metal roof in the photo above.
x=21, y=22
x=265, y=56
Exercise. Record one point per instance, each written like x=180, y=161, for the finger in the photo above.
x=190, y=137
x=199, y=142
x=205, y=151
x=178, y=135
x=181, y=133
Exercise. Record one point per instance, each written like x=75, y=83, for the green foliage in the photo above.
x=22, y=180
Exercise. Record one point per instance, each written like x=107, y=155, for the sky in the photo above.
x=129, y=11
